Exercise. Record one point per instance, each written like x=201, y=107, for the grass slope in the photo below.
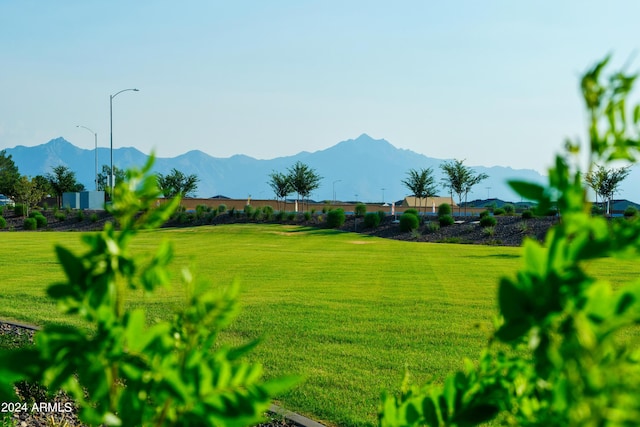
x=348, y=312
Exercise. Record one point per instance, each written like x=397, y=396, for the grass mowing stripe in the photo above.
x=348, y=312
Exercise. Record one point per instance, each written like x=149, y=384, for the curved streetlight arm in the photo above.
x=111, y=173
x=95, y=136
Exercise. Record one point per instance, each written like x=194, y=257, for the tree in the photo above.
x=103, y=177
x=605, y=182
x=421, y=183
x=63, y=180
x=303, y=179
x=281, y=186
x=9, y=174
x=459, y=179
x=177, y=184
x=28, y=192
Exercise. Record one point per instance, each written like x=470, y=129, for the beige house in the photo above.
x=428, y=204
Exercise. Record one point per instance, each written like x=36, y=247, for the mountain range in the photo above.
x=361, y=169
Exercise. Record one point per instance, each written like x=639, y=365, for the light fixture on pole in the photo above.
x=111, y=172
x=95, y=136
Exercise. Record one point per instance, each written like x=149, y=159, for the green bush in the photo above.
x=248, y=211
x=630, y=212
x=222, y=208
x=3, y=222
x=488, y=231
x=488, y=221
x=307, y=216
x=509, y=209
x=30, y=224
x=484, y=213
x=60, y=216
x=444, y=209
x=94, y=217
x=268, y=212
x=527, y=214
x=335, y=218
x=446, y=220
x=413, y=211
x=382, y=215
x=360, y=209
x=80, y=216
x=498, y=211
x=371, y=220
x=19, y=209
x=34, y=214
x=41, y=221
x=408, y=222
x=280, y=216
x=432, y=226
x=257, y=214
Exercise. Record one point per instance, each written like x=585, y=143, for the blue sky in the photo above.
x=492, y=82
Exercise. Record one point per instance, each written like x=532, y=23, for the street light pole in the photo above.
x=111, y=172
x=95, y=136
x=334, y=190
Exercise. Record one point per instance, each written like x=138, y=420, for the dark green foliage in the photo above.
x=34, y=214
x=484, y=214
x=222, y=208
x=232, y=212
x=528, y=214
x=41, y=221
x=408, y=222
x=248, y=211
x=280, y=216
x=488, y=221
x=445, y=220
x=360, y=209
x=335, y=218
x=412, y=211
x=498, y=211
x=19, y=209
x=30, y=224
x=94, y=217
x=267, y=211
x=60, y=216
x=80, y=216
x=177, y=183
x=432, y=226
x=307, y=216
x=371, y=220
x=382, y=215
x=291, y=216
x=630, y=212
x=509, y=209
x=257, y=214
x=3, y=222
x=444, y=209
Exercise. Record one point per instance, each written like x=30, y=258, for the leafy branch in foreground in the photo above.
x=561, y=354
x=127, y=373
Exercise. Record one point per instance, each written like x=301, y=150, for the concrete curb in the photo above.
x=294, y=418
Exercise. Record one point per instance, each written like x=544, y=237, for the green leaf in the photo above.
x=528, y=190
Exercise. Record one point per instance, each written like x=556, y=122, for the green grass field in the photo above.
x=345, y=311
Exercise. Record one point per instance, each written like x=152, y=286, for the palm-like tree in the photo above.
x=421, y=183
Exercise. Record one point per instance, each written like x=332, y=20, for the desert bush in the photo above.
x=488, y=221
x=371, y=220
x=3, y=222
x=60, y=216
x=498, y=211
x=257, y=214
x=41, y=221
x=444, y=209
x=280, y=216
x=432, y=227
x=509, y=209
x=630, y=212
x=527, y=214
x=291, y=216
x=19, y=209
x=360, y=209
x=34, y=213
x=445, y=220
x=335, y=218
x=93, y=217
x=30, y=224
x=561, y=353
x=267, y=211
x=248, y=211
x=412, y=211
x=488, y=231
x=80, y=216
x=222, y=208
x=382, y=215
x=408, y=222
x=484, y=213
x=307, y=216
x=129, y=371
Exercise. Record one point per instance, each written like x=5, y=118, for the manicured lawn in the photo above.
x=347, y=312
